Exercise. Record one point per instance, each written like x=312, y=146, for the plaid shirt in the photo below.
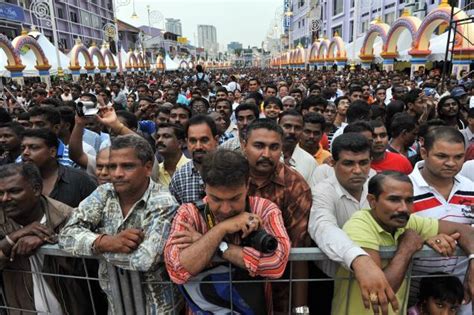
x=187, y=185
x=100, y=213
x=225, y=136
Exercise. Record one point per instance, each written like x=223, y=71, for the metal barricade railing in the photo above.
x=126, y=287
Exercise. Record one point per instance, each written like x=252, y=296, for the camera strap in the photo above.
x=207, y=214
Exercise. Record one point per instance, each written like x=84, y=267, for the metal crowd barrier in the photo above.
x=127, y=286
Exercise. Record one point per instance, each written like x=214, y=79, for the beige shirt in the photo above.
x=164, y=177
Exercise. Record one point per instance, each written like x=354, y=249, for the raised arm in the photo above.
x=76, y=151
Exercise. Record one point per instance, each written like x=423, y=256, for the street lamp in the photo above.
x=134, y=14
x=44, y=10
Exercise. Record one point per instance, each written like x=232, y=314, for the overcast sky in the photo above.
x=245, y=21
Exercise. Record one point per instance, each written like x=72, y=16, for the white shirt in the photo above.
x=332, y=207
x=304, y=164
x=468, y=170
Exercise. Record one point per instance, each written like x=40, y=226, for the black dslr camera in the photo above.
x=261, y=241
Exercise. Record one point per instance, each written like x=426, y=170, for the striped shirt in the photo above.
x=257, y=264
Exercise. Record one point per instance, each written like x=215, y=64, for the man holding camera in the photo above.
x=247, y=232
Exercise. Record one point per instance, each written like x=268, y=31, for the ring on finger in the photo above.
x=373, y=297
x=437, y=241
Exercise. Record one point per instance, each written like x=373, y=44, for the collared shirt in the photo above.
x=367, y=233
x=468, y=136
x=232, y=144
x=72, y=186
x=187, y=184
x=225, y=137
x=101, y=213
x=257, y=263
x=332, y=207
x=164, y=177
x=232, y=129
x=303, y=163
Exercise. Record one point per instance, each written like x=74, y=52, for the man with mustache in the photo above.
x=127, y=223
x=186, y=184
x=389, y=222
x=245, y=113
x=440, y=192
x=273, y=180
x=313, y=130
x=169, y=141
x=292, y=124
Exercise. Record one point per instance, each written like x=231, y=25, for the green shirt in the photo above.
x=367, y=233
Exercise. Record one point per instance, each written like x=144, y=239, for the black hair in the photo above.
x=271, y=86
x=358, y=110
x=312, y=101
x=68, y=116
x=4, y=115
x=177, y=129
x=314, y=87
x=470, y=113
x=198, y=99
x=225, y=168
x=296, y=90
x=376, y=124
x=444, y=133
x=51, y=101
x=355, y=88
x=315, y=118
x=411, y=96
x=401, y=122
x=353, y=142
x=45, y=134
x=186, y=108
x=358, y=127
x=256, y=96
x=130, y=119
x=222, y=89
x=14, y=126
x=290, y=112
x=273, y=100
x=337, y=100
x=51, y=114
x=147, y=99
x=202, y=119
x=263, y=123
x=245, y=106
x=424, y=128
x=28, y=171
x=443, y=288
x=255, y=79
x=376, y=182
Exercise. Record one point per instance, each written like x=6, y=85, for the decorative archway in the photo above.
x=74, y=65
x=141, y=61
x=22, y=41
x=160, y=63
x=108, y=57
x=313, y=53
x=300, y=56
x=341, y=54
x=183, y=64
x=94, y=51
x=323, y=50
x=15, y=66
x=131, y=62
x=378, y=28
x=405, y=22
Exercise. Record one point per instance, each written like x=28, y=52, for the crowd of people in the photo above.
x=200, y=178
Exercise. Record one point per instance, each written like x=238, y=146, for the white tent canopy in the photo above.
x=171, y=64
x=354, y=51
x=437, y=46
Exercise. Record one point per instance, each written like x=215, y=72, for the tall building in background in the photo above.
x=233, y=46
x=207, y=39
x=174, y=26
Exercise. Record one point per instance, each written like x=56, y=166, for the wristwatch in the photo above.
x=223, y=247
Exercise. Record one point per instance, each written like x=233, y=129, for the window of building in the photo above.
x=300, y=3
x=63, y=43
x=337, y=29
x=60, y=13
x=299, y=24
x=351, y=31
x=337, y=6
x=352, y=3
x=302, y=23
x=86, y=18
x=73, y=16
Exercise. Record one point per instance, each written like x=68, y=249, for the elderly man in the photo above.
x=389, y=222
x=127, y=222
x=221, y=225
x=28, y=220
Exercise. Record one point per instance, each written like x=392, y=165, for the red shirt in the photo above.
x=393, y=162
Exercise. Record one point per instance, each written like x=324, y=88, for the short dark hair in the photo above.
x=45, y=134
x=315, y=118
x=445, y=288
x=358, y=110
x=68, y=115
x=198, y=99
x=443, y=133
x=130, y=119
x=424, y=128
x=147, y=99
x=337, y=100
x=290, y=112
x=411, y=96
x=376, y=124
x=355, y=88
x=178, y=130
x=352, y=142
x=245, y=106
x=376, y=182
x=256, y=96
x=40, y=91
x=202, y=119
x=186, y=108
x=14, y=126
x=263, y=123
x=28, y=171
x=51, y=114
x=296, y=90
x=225, y=168
x=222, y=89
x=271, y=86
x=142, y=148
x=401, y=122
x=358, y=127
x=273, y=100
x=470, y=113
x=312, y=101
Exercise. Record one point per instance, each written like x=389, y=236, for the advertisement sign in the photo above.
x=11, y=12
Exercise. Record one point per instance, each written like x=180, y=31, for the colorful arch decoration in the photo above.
x=131, y=62
x=95, y=51
x=313, y=53
x=141, y=61
x=183, y=64
x=79, y=48
x=323, y=50
x=299, y=56
x=341, y=54
x=13, y=57
x=108, y=57
x=377, y=29
x=42, y=63
x=405, y=22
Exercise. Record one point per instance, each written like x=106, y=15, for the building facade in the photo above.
x=207, y=39
x=74, y=18
x=233, y=46
x=174, y=26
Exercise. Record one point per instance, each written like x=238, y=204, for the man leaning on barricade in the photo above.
x=127, y=222
x=246, y=232
x=33, y=282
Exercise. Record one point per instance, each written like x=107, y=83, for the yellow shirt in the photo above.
x=164, y=177
x=321, y=155
x=367, y=233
